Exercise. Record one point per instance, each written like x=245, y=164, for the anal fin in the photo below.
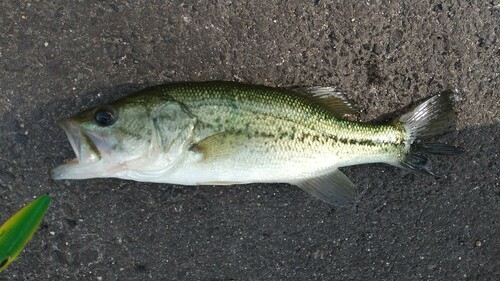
x=334, y=188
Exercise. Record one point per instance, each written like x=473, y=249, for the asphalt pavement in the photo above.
x=59, y=57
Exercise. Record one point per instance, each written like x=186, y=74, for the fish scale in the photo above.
x=205, y=133
x=265, y=121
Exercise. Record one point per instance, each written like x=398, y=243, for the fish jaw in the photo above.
x=73, y=170
x=97, y=157
x=88, y=156
x=85, y=149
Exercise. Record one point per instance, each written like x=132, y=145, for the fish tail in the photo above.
x=432, y=118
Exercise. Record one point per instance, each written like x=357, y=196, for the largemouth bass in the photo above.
x=223, y=133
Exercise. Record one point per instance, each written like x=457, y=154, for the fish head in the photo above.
x=137, y=138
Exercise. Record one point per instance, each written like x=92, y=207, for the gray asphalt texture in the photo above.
x=58, y=57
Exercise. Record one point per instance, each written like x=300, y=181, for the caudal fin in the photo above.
x=432, y=118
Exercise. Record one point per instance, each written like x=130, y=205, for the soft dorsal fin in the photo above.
x=328, y=97
x=334, y=188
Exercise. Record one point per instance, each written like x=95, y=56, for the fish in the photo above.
x=225, y=133
x=18, y=230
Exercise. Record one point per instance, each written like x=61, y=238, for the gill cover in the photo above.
x=138, y=137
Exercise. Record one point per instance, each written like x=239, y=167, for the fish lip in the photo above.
x=72, y=131
x=82, y=145
x=87, y=154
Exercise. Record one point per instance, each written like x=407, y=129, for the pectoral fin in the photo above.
x=220, y=146
x=334, y=188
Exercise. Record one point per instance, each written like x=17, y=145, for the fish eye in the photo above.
x=4, y=262
x=105, y=116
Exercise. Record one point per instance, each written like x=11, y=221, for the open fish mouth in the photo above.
x=84, y=146
x=85, y=149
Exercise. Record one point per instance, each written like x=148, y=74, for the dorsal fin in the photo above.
x=328, y=97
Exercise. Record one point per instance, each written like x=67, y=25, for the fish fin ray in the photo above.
x=432, y=118
x=330, y=98
x=438, y=148
x=334, y=188
x=220, y=146
x=416, y=161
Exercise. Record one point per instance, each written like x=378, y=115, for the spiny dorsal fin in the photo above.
x=328, y=97
x=334, y=188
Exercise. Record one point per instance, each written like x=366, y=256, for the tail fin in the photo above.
x=432, y=118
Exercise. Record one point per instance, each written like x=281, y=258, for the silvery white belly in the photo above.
x=247, y=168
